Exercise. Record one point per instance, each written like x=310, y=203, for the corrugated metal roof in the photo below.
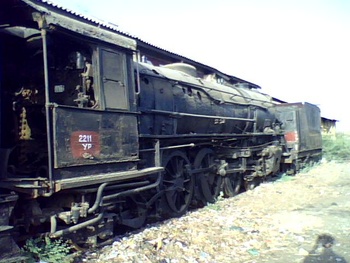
x=82, y=24
x=100, y=22
x=81, y=15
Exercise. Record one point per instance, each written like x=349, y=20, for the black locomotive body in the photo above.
x=91, y=139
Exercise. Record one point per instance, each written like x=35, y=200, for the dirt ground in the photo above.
x=304, y=218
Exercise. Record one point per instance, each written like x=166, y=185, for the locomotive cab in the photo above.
x=68, y=123
x=82, y=115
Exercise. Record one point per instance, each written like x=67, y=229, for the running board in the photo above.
x=104, y=178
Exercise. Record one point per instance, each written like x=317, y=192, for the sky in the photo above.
x=296, y=50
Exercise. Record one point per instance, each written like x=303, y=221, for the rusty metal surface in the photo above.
x=301, y=122
x=90, y=137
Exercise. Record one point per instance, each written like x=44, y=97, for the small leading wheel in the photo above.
x=178, y=183
x=232, y=184
x=209, y=181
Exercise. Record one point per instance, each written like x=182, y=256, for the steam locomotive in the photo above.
x=91, y=139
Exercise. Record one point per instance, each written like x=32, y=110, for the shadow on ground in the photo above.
x=322, y=251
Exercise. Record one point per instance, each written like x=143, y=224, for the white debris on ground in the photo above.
x=280, y=221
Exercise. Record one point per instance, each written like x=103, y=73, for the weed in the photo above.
x=214, y=206
x=47, y=250
x=336, y=148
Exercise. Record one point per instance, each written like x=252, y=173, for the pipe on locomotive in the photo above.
x=40, y=19
x=99, y=198
x=98, y=202
x=134, y=191
x=55, y=234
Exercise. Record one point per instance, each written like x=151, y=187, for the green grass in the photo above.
x=336, y=147
x=47, y=250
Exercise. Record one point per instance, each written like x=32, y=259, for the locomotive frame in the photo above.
x=91, y=139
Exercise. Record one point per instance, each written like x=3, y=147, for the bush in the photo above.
x=47, y=250
x=336, y=147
